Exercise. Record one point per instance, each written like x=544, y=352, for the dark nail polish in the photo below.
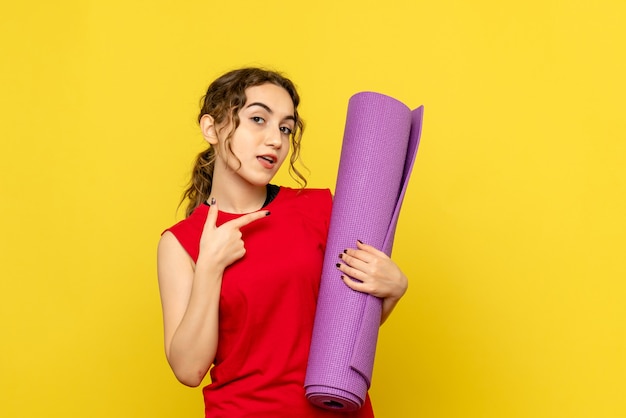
x=340, y=255
x=345, y=251
x=360, y=242
x=267, y=213
x=212, y=201
x=338, y=265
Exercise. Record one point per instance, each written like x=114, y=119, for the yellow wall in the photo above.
x=513, y=231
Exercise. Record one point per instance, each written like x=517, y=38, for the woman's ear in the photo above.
x=207, y=126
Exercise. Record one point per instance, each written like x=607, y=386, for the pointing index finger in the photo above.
x=249, y=218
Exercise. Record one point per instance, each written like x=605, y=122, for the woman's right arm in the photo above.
x=190, y=294
x=190, y=302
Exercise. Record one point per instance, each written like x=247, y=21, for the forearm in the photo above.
x=194, y=343
x=388, y=305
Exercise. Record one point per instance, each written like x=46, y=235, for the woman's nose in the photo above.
x=273, y=138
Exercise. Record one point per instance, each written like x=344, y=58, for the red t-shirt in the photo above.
x=267, y=308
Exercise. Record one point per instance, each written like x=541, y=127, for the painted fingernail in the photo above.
x=338, y=265
x=268, y=213
x=340, y=255
x=212, y=201
x=360, y=242
x=345, y=251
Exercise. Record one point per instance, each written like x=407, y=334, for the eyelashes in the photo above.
x=260, y=121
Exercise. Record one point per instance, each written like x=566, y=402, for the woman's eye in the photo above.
x=257, y=119
x=286, y=130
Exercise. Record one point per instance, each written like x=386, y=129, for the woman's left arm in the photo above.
x=377, y=274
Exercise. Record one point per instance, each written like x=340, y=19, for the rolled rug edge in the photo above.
x=333, y=398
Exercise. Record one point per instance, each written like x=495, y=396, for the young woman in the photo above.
x=239, y=276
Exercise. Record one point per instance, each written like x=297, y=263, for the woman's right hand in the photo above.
x=222, y=245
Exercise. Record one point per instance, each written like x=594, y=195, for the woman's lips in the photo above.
x=267, y=161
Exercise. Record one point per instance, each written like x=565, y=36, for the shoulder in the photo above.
x=168, y=245
x=190, y=223
x=309, y=195
x=188, y=231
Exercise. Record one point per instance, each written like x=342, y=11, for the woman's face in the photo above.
x=261, y=141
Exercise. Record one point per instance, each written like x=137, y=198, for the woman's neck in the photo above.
x=239, y=197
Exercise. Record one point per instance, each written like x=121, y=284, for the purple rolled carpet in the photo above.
x=380, y=143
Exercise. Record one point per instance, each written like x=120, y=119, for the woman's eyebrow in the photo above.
x=269, y=110
x=263, y=105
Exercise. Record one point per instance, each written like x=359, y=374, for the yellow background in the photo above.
x=513, y=231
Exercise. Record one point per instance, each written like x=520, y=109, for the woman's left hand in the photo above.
x=377, y=274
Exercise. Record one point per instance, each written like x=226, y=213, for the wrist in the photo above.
x=206, y=268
